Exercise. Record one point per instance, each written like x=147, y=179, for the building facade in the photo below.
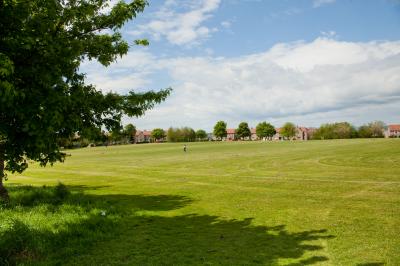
x=392, y=131
x=143, y=136
x=230, y=134
x=253, y=134
x=302, y=133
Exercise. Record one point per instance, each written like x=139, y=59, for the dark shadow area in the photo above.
x=29, y=196
x=371, y=264
x=111, y=231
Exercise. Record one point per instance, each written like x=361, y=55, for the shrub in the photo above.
x=61, y=192
x=342, y=130
x=16, y=239
x=185, y=134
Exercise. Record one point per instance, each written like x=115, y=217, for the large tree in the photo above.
x=173, y=134
x=130, y=132
x=364, y=132
x=341, y=130
x=372, y=130
x=243, y=130
x=265, y=130
x=220, y=130
x=188, y=134
x=43, y=94
x=201, y=134
x=158, y=134
x=377, y=129
x=288, y=130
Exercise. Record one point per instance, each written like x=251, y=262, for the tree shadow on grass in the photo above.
x=203, y=239
x=113, y=230
x=30, y=196
x=371, y=264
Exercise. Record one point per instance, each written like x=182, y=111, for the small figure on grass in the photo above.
x=184, y=148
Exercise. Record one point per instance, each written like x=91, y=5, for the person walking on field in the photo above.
x=184, y=148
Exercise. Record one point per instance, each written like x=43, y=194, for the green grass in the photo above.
x=242, y=203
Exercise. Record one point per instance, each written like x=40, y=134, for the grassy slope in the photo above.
x=326, y=202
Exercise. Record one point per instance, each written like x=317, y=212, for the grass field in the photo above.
x=239, y=203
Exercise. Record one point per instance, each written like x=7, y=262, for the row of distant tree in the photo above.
x=264, y=130
x=345, y=130
x=98, y=137
x=185, y=134
x=341, y=130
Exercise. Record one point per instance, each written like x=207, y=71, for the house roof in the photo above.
x=230, y=131
x=303, y=129
x=143, y=132
x=146, y=133
x=253, y=131
x=394, y=127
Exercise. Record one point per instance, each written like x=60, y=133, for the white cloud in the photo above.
x=128, y=73
x=308, y=83
x=318, y=3
x=226, y=24
x=180, y=28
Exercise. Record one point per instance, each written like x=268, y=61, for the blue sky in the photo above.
x=308, y=62
x=249, y=26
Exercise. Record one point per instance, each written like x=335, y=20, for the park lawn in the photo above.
x=333, y=202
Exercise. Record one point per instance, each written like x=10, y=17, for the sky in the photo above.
x=304, y=61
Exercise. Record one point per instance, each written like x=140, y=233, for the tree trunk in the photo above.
x=3, y=191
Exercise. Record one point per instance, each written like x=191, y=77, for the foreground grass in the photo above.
x=286, y=203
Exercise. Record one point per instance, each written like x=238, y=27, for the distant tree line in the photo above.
x=263, y=130
x=98, y=137
x=340, y=130
x=372, y=130
x=345, y=130
x=185, y=134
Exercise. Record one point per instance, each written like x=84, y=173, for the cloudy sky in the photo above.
x=303, y=61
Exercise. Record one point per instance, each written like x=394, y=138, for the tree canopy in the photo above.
x=201, y=134
x=243, y=130
x=130, y=132
x=158, y=134
x=340, y=130
x=265, y=130
x=288, y=130
x=184, y=134
x=43, y=94
x=364, y=131
x=220, y=130
x=377, y=129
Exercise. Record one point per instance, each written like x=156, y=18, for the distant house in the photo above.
x=142, y=136
x=147, y=135
x=302, y=133
x=277, y=135
x=139, y=137
x=230, y=134
x=393, y=131
x=253, y=134
x=310, y=132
